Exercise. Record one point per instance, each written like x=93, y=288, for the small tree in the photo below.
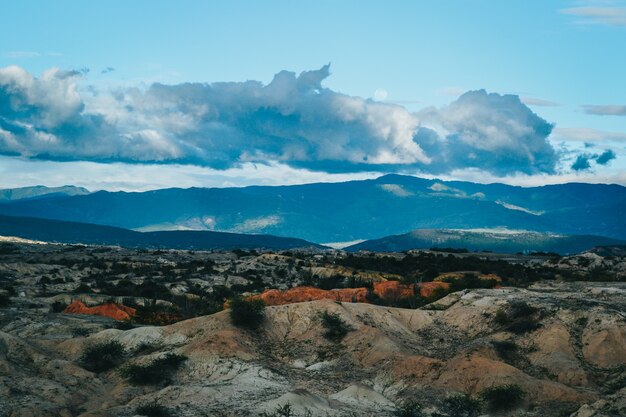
x=502, y=398
x=461, y=405
x=336, y=327
x=247, y=313
x=152, y=410
x=157, y=372
x=410, y=408
x=103, y=356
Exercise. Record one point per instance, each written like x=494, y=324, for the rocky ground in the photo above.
x=558, y=347
x=572, y=363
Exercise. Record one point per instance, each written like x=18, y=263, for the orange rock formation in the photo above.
x=387, y=290
x=112, y=310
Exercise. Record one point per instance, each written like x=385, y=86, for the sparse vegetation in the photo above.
x=461, y=405
x=410, y=408
x=502, y=398
x=247, y=313
x=157, y=372
x=505, y=349
x=518, y=318
x=5, y=300
x=285, y=410
x=153, y=409
x=101, y=357
x=335, y=327
x=80, y=332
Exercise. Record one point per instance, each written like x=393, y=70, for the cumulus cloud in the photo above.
x=292, y=120
x=494, y=132
x=606, y=110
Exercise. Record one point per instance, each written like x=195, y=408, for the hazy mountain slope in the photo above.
x=351, y=210
x=479, y=240
x=72, y=232
x=39, y=191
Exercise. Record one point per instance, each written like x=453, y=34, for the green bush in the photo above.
x=80, y=332
x=518, y=318
x=152, y=410
x=58, y=307
x=507, y=350
x=5, y=300
x=157, y=372
x=502, y=398
x=247, y=313
x=283, y=411
x=336, y=327
x=103, y=356
x=461, y=405
x=409, y=409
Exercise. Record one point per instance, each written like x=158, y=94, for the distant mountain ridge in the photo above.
x=39, y=191
x=340, y=212
x=57, y=231
x=504, y=241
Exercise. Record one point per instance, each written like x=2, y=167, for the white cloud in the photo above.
x=293, y=120
x=581, y=134
x=605, y=110
x=613, y=16
x=533, y=101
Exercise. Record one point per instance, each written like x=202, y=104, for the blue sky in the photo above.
x=564, y=59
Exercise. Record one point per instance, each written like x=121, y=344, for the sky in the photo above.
x=138, y=95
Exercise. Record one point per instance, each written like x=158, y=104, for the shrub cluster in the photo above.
x=152, y=410
x=461, y=405
x=247, y=313
x=157, y=372
x=5, y=300
x=103, y=356
x=409, y=409
x=502, y=398
x=336, y=327
x=518, y=318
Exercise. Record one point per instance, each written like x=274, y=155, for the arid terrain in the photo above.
x=104, y=331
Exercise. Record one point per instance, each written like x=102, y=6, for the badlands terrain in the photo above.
x=107, y=331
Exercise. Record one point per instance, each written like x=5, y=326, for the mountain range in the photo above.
x=476, y=240
x=348, y=211
x=40, y=191
x=72, y=232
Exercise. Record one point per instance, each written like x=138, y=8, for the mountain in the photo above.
x=340, y=212
x=73, y=232
x=497, y=240
x=39, y=191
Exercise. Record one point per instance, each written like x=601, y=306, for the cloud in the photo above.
x=606, y=157
x=582, y=163
x=605, y=110
x=612, y=16
x=497, y=133
x=293, y=120
x=532, y=101
x=107, y=70
x=588, y=135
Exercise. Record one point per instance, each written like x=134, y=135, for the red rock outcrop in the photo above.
x=112, y=310
x=387, y=290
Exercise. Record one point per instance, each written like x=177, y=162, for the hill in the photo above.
x=496, y=240
x=39, y=191
x=72, y=232
x=348, y=211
